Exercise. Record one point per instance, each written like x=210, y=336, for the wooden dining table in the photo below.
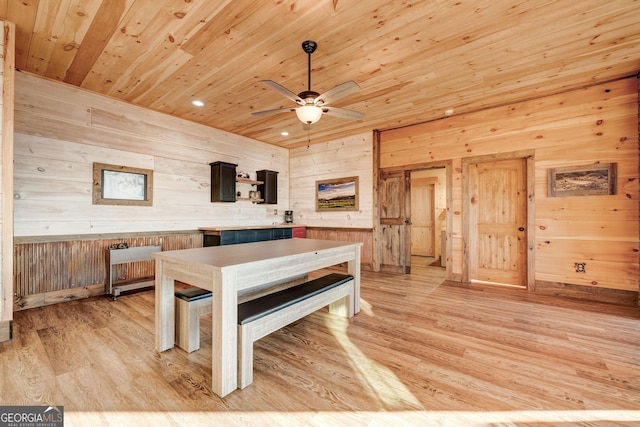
x=226, y=270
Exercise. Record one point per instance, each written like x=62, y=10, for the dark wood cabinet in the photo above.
x=223, y=182
x=232, y=237
x=269, y=187
x=281, y=233
x=245, y=236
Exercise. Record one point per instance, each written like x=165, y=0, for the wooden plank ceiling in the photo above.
x=412, y=59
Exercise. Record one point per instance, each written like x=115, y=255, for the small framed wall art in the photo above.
x=122, y=185
x=589, y=180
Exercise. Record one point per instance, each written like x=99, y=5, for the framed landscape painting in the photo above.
x=589, y=180
x=338, y=194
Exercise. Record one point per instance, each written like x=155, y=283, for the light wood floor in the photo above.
x=421, y=352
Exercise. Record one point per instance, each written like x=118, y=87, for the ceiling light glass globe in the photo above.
x=309, y=114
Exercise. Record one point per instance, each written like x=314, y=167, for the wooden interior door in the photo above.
x=395, y=231
x=423, y=239
x=497, y=243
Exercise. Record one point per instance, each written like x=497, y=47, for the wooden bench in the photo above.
x=260, y=317
x=191, y=303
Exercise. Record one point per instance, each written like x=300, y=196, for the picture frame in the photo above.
x=337, y=194
x=588, y=180
x=122, y=185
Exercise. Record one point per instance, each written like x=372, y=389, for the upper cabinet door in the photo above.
x=223, y=182
x=269, y=188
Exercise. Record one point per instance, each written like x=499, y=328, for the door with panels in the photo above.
x=395, y=222
x=496, y=222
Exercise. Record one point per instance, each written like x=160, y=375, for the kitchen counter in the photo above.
x=216, y=236
x=208, y=230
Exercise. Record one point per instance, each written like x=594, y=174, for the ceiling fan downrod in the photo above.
x=309, y=46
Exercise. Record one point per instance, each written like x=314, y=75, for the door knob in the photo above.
x=521, y=229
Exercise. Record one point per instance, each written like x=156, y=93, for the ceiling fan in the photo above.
x=311, y=104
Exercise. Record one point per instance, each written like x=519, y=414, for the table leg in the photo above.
x=224, y=339
x=354, y=269
x=165, y=309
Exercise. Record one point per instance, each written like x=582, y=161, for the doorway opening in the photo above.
x=428, y=217
x=396, y=218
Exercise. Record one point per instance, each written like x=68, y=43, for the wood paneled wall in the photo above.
x=597, y=124
x=50, y=270
x=7, y=65
x=363, y=235
x=335, y=159
x=61, y=130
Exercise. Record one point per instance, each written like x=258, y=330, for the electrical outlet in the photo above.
x=581, y=267
x=275, y=211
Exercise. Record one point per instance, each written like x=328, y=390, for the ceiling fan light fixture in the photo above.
x=309, y=114
x=311, y=104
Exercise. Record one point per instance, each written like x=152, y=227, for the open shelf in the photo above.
x=248, y=199
x=248, y=181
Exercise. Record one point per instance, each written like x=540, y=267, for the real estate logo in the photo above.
x=31, y=416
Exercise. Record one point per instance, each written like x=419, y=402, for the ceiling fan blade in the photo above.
x=343, y=113
x=268, y=112
x=283, y=91
x=338, y=92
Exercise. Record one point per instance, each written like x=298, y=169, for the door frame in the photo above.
x=377, y=228
x=528, y=157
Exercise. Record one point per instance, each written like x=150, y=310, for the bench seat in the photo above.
x=260, y=317
x=191, y=303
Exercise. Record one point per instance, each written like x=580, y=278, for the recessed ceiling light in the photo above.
x=448, y=112
x=284, y=133
x=197, y=103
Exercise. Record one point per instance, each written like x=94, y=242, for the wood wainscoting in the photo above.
x=363, y=235
x=590, y=293
x=52, y=269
